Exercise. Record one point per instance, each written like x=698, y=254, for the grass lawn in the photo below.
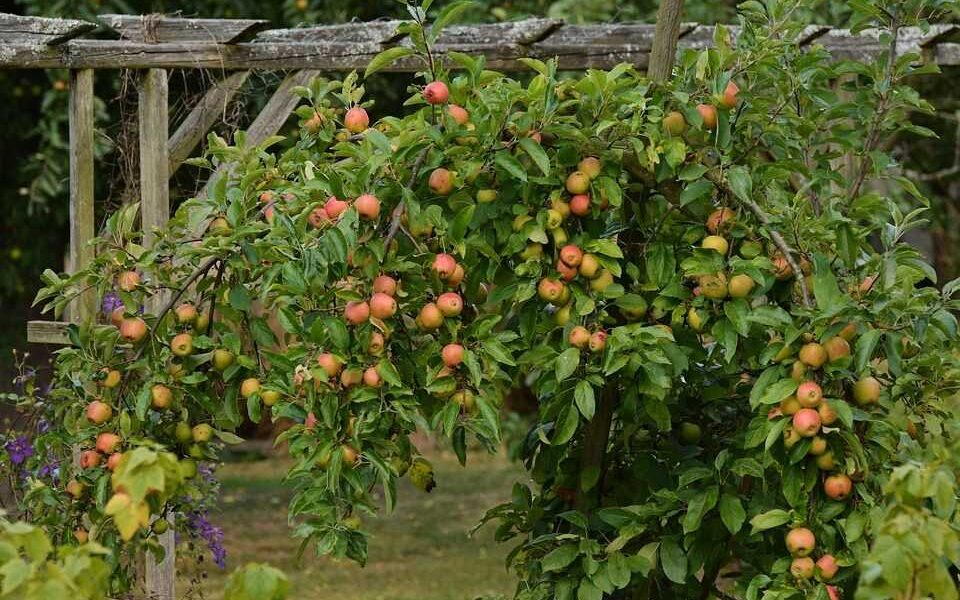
x=420, y=552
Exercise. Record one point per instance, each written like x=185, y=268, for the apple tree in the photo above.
x=746, y=378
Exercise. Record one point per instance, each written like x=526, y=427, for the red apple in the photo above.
x=806, y=422
x=384, y=284
x=113, y=460
x=356, y=120
x=579, y=337
x=133, y=329
x=708, y=113
x=838, y=487
x=107, y=442
x=809, y=394
x=458, y=114
x=572, y=255
x=729, y=98
x=330, y=364
x=580, y=205
x=720, y=220
x=128, y=281
x=444, y=265
x=436, y=92
x=90, y=459
x=452, y=355
x=801, y=541
x=450, y=304
x=368, y=207
x=827, y=567
x=382, y=306
x=99, y=412
x=441, y=181
x=356, y=312
x=371, y=377
x=598, y=341
x=430, y=317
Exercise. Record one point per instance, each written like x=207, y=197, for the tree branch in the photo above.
x=401, y=206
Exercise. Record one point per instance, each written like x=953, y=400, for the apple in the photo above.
x=377, y=344
x=349, y=456
x=832, y=593
x=75, y=489
x=790, y=406
x=111, y=379
x=330, y=364
x=790, y=437
x=720, y=220
x=571, y=255
x=689, y=433
x=249, y=387
x=554, y=218
x=318, y=217
x=186, y=313
x=465, y=399
x=695, y=320
x=116, y=316
x=551, y=290
x=828, y=416
x=567, y=273
x=114, y=460
x=133, y=329
x=827, y=567
x=128, y=281
x=368, y=206
x=802, y=567
x=99, y=412
x=182, y=432
x=781, y=268
x=351, y=377
x=335, y=207
x=384, y=284
x=450, y=304
x=838, y=487
x=486, y=196
x=713, y=286
x=436, y=92
x=81, y=535
x=160, y=396
x=590, y=166
x=798, y=371
x=813, y=355
x=441, y=181
x=371, y=377
x=577, y=183
x=817, y=446
x=356, y=120
x=444, y=265
x=740, y=286
x=800, y=542
x=866, y=391
x=826, y=462
x=90, y=459
x=382, y=306
x=457, y=276
x=310, y=422
x=202, y=433
x=430, y=317
x=716, y=242
x=182, y=345
x=729, y=98
x=598, y=341
x=314, y=123
x=452, y=355
x=807, y=422
x=579, y=337
x=674, y=123
x=848, y=332
x=809, y=394
x=708, y=113
x=107, y=442
x=458, y=114
x=222, y=359
x=602, y=281
x=589, y=266
x=220, y=226
x=356, y=313
x=580, y=205
x=837, y=347
x=203, y=322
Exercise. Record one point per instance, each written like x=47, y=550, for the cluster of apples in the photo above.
x=676, y=124
x=366, y=205
x=718, y=286
x=801, y=543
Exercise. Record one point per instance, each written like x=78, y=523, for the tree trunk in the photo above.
x=665, y=40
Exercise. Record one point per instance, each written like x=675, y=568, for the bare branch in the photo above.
x=401, y=206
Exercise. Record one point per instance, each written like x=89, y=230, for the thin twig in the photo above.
x=401, y=206
x=201, y=270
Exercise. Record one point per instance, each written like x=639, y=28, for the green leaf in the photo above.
x=451, y=12
x=865, y=346
x=825, y=288
x=240, y=298
x=695, y=191
x=511, y=165
x=732, y=513
x=560, y=558
x=536, y=152
x=769, y=520
x=740, y=182
x=698, y=507
x=673, y=560
x=567, y=423
x=583, y=395
x=778, y=391
x=386, y=58
x=567, y=363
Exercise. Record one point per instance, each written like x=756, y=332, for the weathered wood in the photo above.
x=81, y=186
x=665, y=38
x=40, y=30
x=347, y=47
x=154, y=163
x=48, y=332
x=160, y=576
x=156, y=28
x=202, y=117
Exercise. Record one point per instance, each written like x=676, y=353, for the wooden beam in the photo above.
x=17, y=29
x=81, y=186
x=208, y=111
x=159, y=28
x=48, y=332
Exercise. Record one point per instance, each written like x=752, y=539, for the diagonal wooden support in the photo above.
x=208, y=111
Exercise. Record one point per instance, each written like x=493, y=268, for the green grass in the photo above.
x=420, y=552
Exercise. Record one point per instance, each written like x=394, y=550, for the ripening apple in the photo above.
x=356, y=120
x=161, y=396
x=450, y=304
x=837, y=348
x=802, y=568
x=827, y=567
x=457, y=276
x=806, y=422
x=572, y=255
x=270, y=397
x=182, y=345
x=465, y=399
x=598, y=341
x=798, y=371
x=579, y=337
x=720, y=220
x=75, y=489
x=90, y=459
x=222, y=359
x=740, y=285
x=99, y=412
x=444, y=265
x=111, y=379
x=220, y=226
x=186, y=313
x=249, y=387
x=114, y=460
x=782, y=268
x=371, y=377
x=430, y=317
x=441, y=181
x=436, y=92
x=695, y=320
x=554, y=218
x=828, y=416
x=809, y=394
x=107, y=442
x=382, y=306
x=532, y=251
x=81, y=535
x=800, y=541
x=356, y=312
x=128, y=281
x=789, y=406
x=458, y=114
x=674, y=123
x=716, y=242
x=116, y=316
x=590, y=166
x=384, y=284
x=826, y=462
x=318, y=217
x=866, y=391
x=368, y=206
x=713, y=286
x=452, y=355
x=567, y=273
x=335, y=207
x=729, y=98
x=589, y=266
x=349, y=456
x=202, y=433
x=818, y=446
x=203, y=322
x=578, y=183
x=486, y=196
x=580, y=205
x=602, y=281
x=790, y=437
x=708, y=113
x=813, y=355
x=351, y=377
x=330, y=364
x=848, y=332
x=838, y=487
x=310, y=421
x=133, y=329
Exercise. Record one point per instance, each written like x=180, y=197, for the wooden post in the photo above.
x=154, y=212
x=81, y=186
x=665, y=38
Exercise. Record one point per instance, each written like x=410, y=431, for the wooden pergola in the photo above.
x=156, y=44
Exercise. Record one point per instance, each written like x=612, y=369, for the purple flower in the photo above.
x=201, y=526
x=50, y=469
x=19, y=449
x=111, y=302
x=43, y=426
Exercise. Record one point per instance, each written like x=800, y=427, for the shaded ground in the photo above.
x=420, y=552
